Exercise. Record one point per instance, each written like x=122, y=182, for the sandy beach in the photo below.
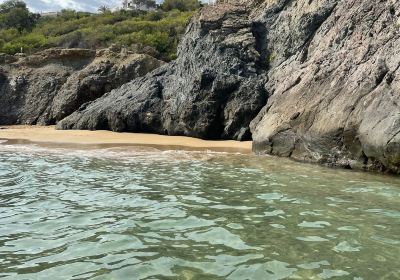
x=49, y=135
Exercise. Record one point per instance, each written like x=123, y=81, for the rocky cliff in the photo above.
x=213, y=90
x=321, y=76
x=317, y=81
x=48, y=86
x=334, y=83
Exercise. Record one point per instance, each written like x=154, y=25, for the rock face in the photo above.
x=46, y=87
x=334, y=83
x=213, y=90
x=317, y=81
x=325, y=73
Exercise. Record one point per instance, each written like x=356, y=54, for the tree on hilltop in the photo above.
x=148, y=3
x=104, y=9
x=15, y=14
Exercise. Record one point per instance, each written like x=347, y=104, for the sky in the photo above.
x=79, y=5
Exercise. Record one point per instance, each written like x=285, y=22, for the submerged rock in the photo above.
x=48, y=86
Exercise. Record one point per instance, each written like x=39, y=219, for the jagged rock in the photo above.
x=327, y=72
x=318, y=80
x=212, y=91
x=48, y=86
x=334, y=83
x=5, y=58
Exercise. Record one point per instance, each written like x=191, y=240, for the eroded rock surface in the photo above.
x=325, y=73
x=212, y=91
x=48, y=86
x=334, y=83
x=318, y=81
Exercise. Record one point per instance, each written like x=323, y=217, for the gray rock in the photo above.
x=326, y=71
x=48, y=86
x=335, y=84
x=212, y=91
x=317, y=81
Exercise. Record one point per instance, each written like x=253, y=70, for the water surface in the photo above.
x=141, y=213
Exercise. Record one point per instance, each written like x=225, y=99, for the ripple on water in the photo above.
x=385, y=212
x=312, y=239
x=122, y=213
x=317, y=224
x=345, y=246
x=279, y=226
x=348, y=228
x=274, y=213
x=314, y=265
x=219, y=236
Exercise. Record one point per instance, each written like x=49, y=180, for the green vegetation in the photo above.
x=148, y=3
x=182, y=5
x=15, y=14
x=156, y=32
x=272, y=57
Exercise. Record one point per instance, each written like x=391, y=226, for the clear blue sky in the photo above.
x=83, y=5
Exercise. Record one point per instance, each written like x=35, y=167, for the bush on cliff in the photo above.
x=181, y=5
x=156, y=33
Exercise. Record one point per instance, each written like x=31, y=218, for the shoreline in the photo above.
x=49, y=136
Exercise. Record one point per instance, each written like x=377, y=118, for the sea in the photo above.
x=94, y=212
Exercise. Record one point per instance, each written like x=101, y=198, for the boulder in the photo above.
x=46, y=87
x=334, y=83
x=212, y=91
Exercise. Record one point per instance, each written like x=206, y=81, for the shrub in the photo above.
x=155, y=32
x=28, y=42
x=181, y=5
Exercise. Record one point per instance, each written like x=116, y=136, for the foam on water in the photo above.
x=126, y=152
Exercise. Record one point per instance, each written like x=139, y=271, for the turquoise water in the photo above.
x=141, y=213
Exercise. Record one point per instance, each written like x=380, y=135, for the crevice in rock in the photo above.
x=260, y=34
x=391, y=138
x=382, y=71
x=295, y=83
x=313, y=26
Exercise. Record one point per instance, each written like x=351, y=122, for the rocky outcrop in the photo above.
x=325, y=73
x=334, y=83
x=317, y=81
x=48, y=86
x=212, y=91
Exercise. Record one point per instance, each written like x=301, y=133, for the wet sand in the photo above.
x=50, y=136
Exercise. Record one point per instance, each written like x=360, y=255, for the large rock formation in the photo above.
x=48, y=86
x=325, y=72
x=318, y=81
x=212, y=91
x=334, y=83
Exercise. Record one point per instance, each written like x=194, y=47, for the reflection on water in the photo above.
x=148, y=214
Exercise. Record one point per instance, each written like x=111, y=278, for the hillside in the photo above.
x=155, y=33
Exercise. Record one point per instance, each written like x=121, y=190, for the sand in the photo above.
x=49, y=135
